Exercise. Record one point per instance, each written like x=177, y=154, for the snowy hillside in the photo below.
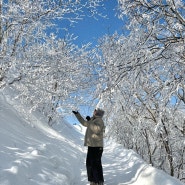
x=33, y=154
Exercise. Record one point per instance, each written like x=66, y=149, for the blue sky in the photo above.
x=90, y=29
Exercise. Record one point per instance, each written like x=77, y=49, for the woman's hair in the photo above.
x=99, y=112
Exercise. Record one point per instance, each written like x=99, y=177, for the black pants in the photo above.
x=94, y=165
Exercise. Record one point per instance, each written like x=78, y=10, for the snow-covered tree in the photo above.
x=144, y=77
x=44, y=69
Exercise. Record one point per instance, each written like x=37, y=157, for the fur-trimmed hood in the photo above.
x=99, y=112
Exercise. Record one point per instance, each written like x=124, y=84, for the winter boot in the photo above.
x=92, y=183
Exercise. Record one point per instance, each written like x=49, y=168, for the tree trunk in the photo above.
x=167, y=148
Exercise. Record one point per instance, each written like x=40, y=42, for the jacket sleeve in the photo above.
x=81, y=119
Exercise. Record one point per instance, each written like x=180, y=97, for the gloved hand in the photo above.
x=88, y=118
x=75, y=112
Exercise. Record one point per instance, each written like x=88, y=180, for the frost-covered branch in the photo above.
x=144, y=77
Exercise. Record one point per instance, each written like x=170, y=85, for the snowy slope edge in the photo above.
x=34, y=153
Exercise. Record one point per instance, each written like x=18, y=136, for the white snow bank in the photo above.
x=125, y=167
x=32, y=153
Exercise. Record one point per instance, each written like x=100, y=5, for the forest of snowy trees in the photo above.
x=137, y=77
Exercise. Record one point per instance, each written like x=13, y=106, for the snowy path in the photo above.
x=125, y=167
x=119, y=166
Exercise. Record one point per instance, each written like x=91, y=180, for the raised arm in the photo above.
x=80, y=118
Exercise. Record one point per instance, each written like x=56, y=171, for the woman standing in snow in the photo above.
x=94, y=141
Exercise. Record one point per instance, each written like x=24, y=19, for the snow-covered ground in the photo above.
x=31, y=153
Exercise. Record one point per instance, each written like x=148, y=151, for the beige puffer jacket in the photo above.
x=94, y=132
